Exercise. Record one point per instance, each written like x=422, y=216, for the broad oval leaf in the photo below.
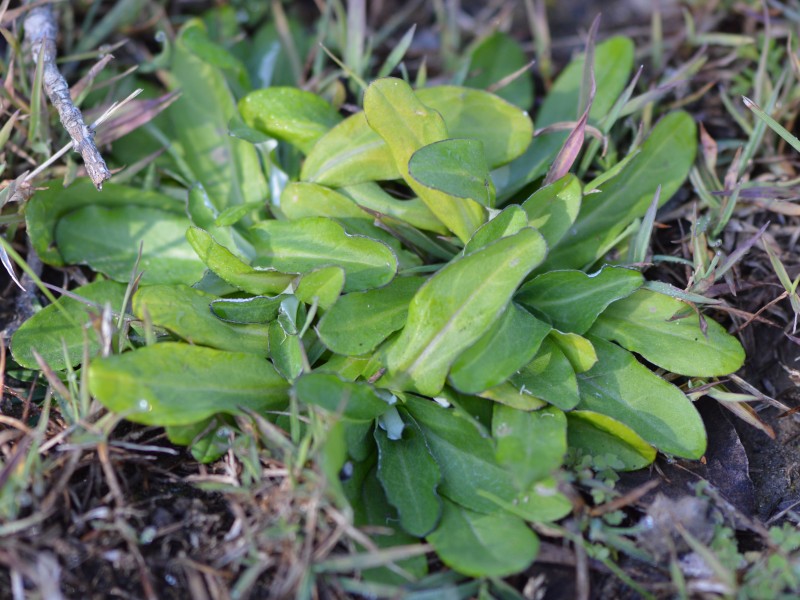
x=186, y=312
x=48, y=206
x=578, y=350
x=233, y=269
x=466, y=458
x=286, y=351
x=358, y=322
x=396, y=114
x=67, y=327
x=510, y=395
x=622, y=388
x=613, y=62
x=108, y=240
x=644, y=323
x=409, y=476
x=598, y=435
x=496, y=57
x=322, y=286
x=665, y=159
x=348, y=154
x=370, y=507
x=531, y=445
x=228, y=168
x=549, y=377
x=304, y=245
x=300, y=200
x=412, y=211
x=208, y=439
x=354, y=400
x=197, y=41
x=554, y=208
x=505, y=130
x=456, y=167
x=353, y=153
x=289, y=114
x=509, y=344
x=179, y=384
x=257, y=309
x=572, y=300
x=456, y=307
x=483, y=545
x=541, y=503
x=508, y=221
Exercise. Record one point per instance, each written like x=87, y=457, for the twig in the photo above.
x=40, y=37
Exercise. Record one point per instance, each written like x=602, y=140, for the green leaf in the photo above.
x=354, y=400
x=624, y=389
x=197, y=42
x=322, y=286
x=359, y=438
x=258, y=309
x=286, y=351
x=409, y=476
x=348, y=154
x=48, y=206
x=185, y=312
x=358, y=322
x=613, y=61
x=509, y=221
x=572, y=300
x=300, y=200
x=202, y=211
x=508, y=394
x=108, y=240
x=505, y=130
x=178, y=384
x=465, y=457
x=233, y=269
x=456, y=167
x=549, y=377
x=643, y=323
x=456, y=307
x=554, y=208
x=373, y=508
x=353, y=153
x=495, y=57
x=234, y=214
x=578, y=350
x=348, y=368
x=665, y=159
x=531, y=445
x=395, y=113
x=208, y=439
x=413, y=211
x=480, y=545
x=228, y=168
x=306, y=244
x=598, y=435
x=50, y=330
x=331, y=456
x=204, y=215
x=509, y=344
x=289, y=114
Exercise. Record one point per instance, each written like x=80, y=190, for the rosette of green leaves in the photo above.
x=413, y=283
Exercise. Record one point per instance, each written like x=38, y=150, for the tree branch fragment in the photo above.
x=40, y=36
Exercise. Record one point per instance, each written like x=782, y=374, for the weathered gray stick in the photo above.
x=40, y=36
